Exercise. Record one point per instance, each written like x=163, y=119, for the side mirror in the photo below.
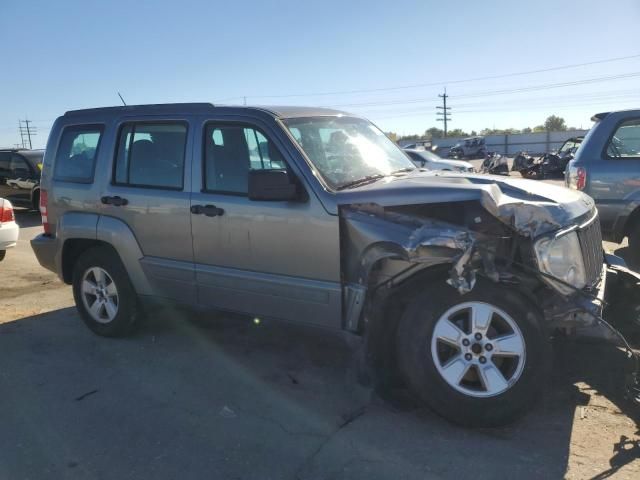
x=273, y=185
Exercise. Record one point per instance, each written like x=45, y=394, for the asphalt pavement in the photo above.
x=195, y=395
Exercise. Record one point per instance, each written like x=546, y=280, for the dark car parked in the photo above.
x=550, y=164
x=20, y=176
x=607, y=167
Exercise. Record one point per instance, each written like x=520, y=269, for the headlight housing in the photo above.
x=561, y=257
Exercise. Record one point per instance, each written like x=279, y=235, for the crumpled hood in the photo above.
x=530, y=207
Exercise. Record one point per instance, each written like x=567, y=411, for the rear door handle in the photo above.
x=115, y=201
x=208, y=210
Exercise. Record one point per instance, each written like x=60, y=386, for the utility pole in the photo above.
x=445, y=111
x=21, y=132
x=26, y=132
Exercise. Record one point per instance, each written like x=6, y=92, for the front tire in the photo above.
x=478, y=359
x=103, y=293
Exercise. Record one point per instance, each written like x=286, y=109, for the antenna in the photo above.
x=123, y=102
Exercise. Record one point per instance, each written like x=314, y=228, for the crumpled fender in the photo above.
x=384, y=235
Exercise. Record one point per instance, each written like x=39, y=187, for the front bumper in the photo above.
x=616, y=299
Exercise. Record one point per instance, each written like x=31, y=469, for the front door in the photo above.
x=149, y=191
x=266, y=258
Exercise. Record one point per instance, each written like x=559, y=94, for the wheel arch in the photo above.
x=382, y=311
x=77, y=232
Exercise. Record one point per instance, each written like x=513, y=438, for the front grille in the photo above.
x=591, y=244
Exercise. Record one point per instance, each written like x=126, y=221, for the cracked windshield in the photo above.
x=347, y=150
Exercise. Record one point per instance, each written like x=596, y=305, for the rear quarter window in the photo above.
x=77, y=152
x=625, y=142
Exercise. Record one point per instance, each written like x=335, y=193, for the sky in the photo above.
x=385, y=60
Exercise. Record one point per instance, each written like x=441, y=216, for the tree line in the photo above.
x=553, y=123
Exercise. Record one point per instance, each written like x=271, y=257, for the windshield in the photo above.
x=568, y=146
x=346, y=149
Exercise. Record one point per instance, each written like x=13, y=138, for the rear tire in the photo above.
x=35, y=201
x=476, y=385
x=2, y=254
x=103, y=293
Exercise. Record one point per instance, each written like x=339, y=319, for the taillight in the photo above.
x=581, y=178
x=44, y=200
x=6, y=212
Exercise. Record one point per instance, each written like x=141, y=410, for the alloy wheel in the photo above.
x=99, y=295
x=478, y=349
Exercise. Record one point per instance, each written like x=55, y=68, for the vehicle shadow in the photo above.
x=220, y=396
x=607, y=423
x=625, y=254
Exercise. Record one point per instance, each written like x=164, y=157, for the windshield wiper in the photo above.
x=361, y=181
x=403, y=170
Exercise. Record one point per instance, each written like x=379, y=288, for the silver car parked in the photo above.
x=450, y=282
x=425, y=159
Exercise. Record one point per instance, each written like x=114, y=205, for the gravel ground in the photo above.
x=206, y=396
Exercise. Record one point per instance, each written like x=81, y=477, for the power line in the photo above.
x=521, y=102
x=449, y=82
x=498, y=92
x=416, y=113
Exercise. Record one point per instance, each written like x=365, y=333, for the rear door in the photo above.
x=272, y=258
x=150, y=191
x=615, y=178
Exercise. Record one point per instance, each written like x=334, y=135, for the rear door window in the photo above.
x=151, y=155
x=625, y=142
x=5, y=159
x=76, y=156
x=19, y=167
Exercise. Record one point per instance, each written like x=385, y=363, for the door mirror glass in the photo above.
x=271, y=185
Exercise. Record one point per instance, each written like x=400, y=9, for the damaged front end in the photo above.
x=508, y=236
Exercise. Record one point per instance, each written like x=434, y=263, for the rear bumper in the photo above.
x=45, y=248
x=9, y=232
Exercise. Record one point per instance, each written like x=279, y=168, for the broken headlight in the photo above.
x=561, y=257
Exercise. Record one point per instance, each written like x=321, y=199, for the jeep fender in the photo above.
x=118, y=234
x=110, y=230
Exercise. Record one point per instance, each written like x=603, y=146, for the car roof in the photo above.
x=600, y=116
x=283, y=111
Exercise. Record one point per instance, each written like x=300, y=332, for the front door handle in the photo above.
x=208, y=210
x=115, y=201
